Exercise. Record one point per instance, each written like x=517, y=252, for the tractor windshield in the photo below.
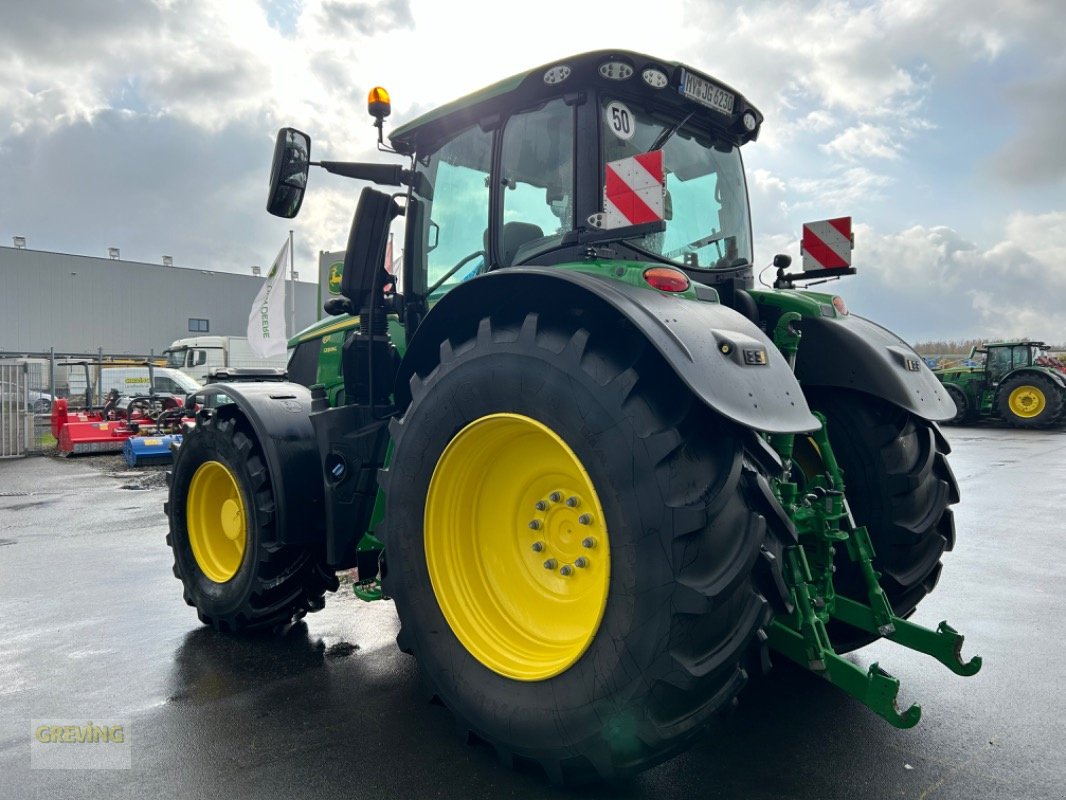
x=707, y=225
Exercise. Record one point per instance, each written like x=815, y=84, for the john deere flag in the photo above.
x=266, y=322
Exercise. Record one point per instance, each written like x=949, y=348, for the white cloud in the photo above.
x=766, y=182
x=1043, y=235
x=862, y=142
x=818, y=120
x=842, y=190
x=933, y=282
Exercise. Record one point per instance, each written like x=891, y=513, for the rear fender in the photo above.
x=278, y=414
x=1054, y=376
x=714, y=350
x=851, y=352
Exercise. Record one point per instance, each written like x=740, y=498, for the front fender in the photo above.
x=278, y=413
x=714, y=350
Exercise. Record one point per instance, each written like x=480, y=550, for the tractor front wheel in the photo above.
x=1030, y=401
x=581, y=554
x=963, y=412
x=221, y=511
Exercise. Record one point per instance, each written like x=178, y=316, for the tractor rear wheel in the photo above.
x=583, y=556
x=963, y=412
x=1030, y=401
x=900, y=486
x=221, y=511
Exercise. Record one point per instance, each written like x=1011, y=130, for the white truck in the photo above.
x=198, y=355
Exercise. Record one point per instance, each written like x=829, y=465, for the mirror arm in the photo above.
x=386, y=174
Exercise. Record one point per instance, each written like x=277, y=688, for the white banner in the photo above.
x=266, y=322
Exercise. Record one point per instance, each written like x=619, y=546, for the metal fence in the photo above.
x=30, y=384
x=25, y=407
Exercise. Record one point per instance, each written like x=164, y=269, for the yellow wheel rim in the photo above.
x=807, y=456
x=217, y=521
x=1027, y=401
x=516, y=547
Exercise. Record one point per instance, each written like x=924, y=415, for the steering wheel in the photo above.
x=695, y=245
x=462, y=263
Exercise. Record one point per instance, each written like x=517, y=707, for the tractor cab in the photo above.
x=1002, y=358
x=520, y=173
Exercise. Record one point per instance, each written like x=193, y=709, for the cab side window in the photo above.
x=455, y=222
x=538, y=181
x=998, y=362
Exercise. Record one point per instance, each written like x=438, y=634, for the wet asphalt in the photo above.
x=93, y=627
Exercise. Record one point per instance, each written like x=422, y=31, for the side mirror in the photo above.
x=288, y=172
x=336, y=306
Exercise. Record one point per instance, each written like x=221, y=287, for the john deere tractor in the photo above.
x=603, y=478
x=1019, y=382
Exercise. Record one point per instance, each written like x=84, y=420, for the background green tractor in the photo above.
x=597, y=471
x=1019, y=382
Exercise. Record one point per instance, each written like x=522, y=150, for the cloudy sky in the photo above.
x=939, y=126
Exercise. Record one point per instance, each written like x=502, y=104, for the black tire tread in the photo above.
x=696, y=675
x=1055, y=397
x=964, y=413
x=289, y=582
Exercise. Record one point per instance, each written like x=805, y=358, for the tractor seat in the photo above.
x=516, y=234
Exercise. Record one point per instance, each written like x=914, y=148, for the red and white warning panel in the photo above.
x=827, y=244
x=633, y=190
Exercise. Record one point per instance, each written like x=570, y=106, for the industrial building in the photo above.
x=82, y=304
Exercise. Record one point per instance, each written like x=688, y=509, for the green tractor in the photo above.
x=601, y=476
x=1019, y=382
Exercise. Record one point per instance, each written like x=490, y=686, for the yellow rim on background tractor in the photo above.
x=1027, y=401
x=516, y=546
x=217, y=521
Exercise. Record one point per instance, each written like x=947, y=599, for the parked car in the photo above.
x=36, y=401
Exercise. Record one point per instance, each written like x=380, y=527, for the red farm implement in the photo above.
x=144, y=429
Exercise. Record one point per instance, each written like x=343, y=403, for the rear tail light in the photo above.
x=666, y=279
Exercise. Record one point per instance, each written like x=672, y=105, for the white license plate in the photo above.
x=696, y=88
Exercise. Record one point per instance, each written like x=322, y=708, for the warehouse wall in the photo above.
x=80, y=303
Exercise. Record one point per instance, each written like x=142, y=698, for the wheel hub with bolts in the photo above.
x=559, y=519
x=1027, y=401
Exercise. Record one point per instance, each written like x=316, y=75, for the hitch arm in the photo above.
x=875, y=689
x=944, y=644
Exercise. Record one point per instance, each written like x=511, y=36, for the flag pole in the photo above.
x=292, y=289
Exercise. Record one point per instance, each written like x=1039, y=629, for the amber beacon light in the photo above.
x=378, y=103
